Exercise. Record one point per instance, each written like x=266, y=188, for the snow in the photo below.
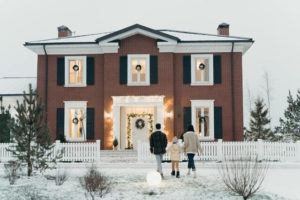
x=129, y=182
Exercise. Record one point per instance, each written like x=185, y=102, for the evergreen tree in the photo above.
x=5, y=122
x=259, y=123
x=31, y=135
x=290, y=124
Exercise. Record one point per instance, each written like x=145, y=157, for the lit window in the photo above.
x=138, y=70
x=202, y=118
x=202, y=69
x=75, y=71
x=75, y=120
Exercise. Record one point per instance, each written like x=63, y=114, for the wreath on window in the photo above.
x=201, y=66
x=75, y=120
x=75, y=68
x=140, y=123
x=138, y=68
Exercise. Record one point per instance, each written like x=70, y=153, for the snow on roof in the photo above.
x=183, y=36
x=16, y=85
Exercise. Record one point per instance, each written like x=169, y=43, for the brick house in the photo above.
x=119, y=84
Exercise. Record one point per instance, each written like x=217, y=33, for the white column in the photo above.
x=116, y=122
x=160, y=116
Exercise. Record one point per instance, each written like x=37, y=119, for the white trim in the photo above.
x=74, y=105
x=67, y=71
x=210, y=71
x=118, y=101
x=203, y=47
x=134, y=32
x=204, y=103
x=129, y=69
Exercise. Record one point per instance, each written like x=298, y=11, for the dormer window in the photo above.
x=75, y=67
x=138, y=70
x=202, y=69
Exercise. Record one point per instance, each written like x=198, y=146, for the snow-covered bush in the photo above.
x=11, y=169
x=243, y=176
x=95, y=184
x=61, y=177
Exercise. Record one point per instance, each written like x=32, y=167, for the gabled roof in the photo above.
x=133, y=27
x=172, y=35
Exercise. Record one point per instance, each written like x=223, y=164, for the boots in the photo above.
x=195, y=174
x=189, y=172
x=178, y=174
x=173, y=173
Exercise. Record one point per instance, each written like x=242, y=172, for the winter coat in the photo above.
x=175, y=150
x=191, y=143
x=158, y=142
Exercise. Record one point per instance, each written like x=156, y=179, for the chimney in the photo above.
x=64, y=31
x=223, y=29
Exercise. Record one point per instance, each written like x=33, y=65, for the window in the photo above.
x=75, y=120
x=75, y=68
x=138, y=70
x=202, y=69
x=203, y=118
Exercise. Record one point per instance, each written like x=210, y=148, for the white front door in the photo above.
x=140, y=127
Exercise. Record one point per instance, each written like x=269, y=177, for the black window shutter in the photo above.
x=90, y=123
x=186, y=69
x=153, y=70
x=217, y=69
x=60, y=71
x=90, y=71
x=218, y=122
x=60, y=123
x=187, y=118
x=123, y=69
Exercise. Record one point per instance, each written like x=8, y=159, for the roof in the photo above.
x=176, y=35
x=14, y=86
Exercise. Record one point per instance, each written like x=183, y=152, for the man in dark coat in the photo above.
x=158, y=144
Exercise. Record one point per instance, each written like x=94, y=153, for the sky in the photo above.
x=274, y=25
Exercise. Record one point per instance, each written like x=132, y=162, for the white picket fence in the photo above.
x=71, y=152
x=218, y=151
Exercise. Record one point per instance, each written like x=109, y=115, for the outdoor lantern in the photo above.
x=201, y=66
x=153, y=178
x=75, y=68
x=75, y=120
x=138, y=68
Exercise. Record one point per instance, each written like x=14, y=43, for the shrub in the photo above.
x=243, y=176
x=61, y=177
x=11, y=169
x=95, y=183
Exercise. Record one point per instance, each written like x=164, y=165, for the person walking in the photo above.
x=158, y=144
x=191, y=147
x=175, y=151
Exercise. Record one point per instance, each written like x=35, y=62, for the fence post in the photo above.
x=139, y=149
x=98, y=147
x=57, y=148
x=219, y=150
x=259, y=149
x=298, y=151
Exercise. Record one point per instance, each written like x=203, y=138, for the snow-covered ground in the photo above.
x=129, y=182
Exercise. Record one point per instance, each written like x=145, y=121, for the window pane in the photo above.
x=134, y=63
x=201, y=74
x=143, y=70
x=75, y=123
x=198, y=123
x=206, y=122
x=76, y=71
x=206, y=70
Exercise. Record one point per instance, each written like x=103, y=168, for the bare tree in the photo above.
x=268, y=90
x=243, y=176
x=250, y=99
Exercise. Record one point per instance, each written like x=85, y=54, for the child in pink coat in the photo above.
x=175, y=150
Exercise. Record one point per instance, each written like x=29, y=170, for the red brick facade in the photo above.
x=170, y=84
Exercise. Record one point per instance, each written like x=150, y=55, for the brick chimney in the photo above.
x=64, y=31
x=223, y=29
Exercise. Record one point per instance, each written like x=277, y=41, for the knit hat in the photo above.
x=175, y=140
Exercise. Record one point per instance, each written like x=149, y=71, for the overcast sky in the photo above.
x=274, y=25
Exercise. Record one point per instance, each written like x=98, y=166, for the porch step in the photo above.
x=123, y=156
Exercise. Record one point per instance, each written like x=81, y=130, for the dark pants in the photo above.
x=191, y=163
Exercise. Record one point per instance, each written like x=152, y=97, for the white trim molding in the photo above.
x=131, y=101
x=210, y=70
x=67, y=71
x=201, y=104
x=75, y=105
x=129, y=69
